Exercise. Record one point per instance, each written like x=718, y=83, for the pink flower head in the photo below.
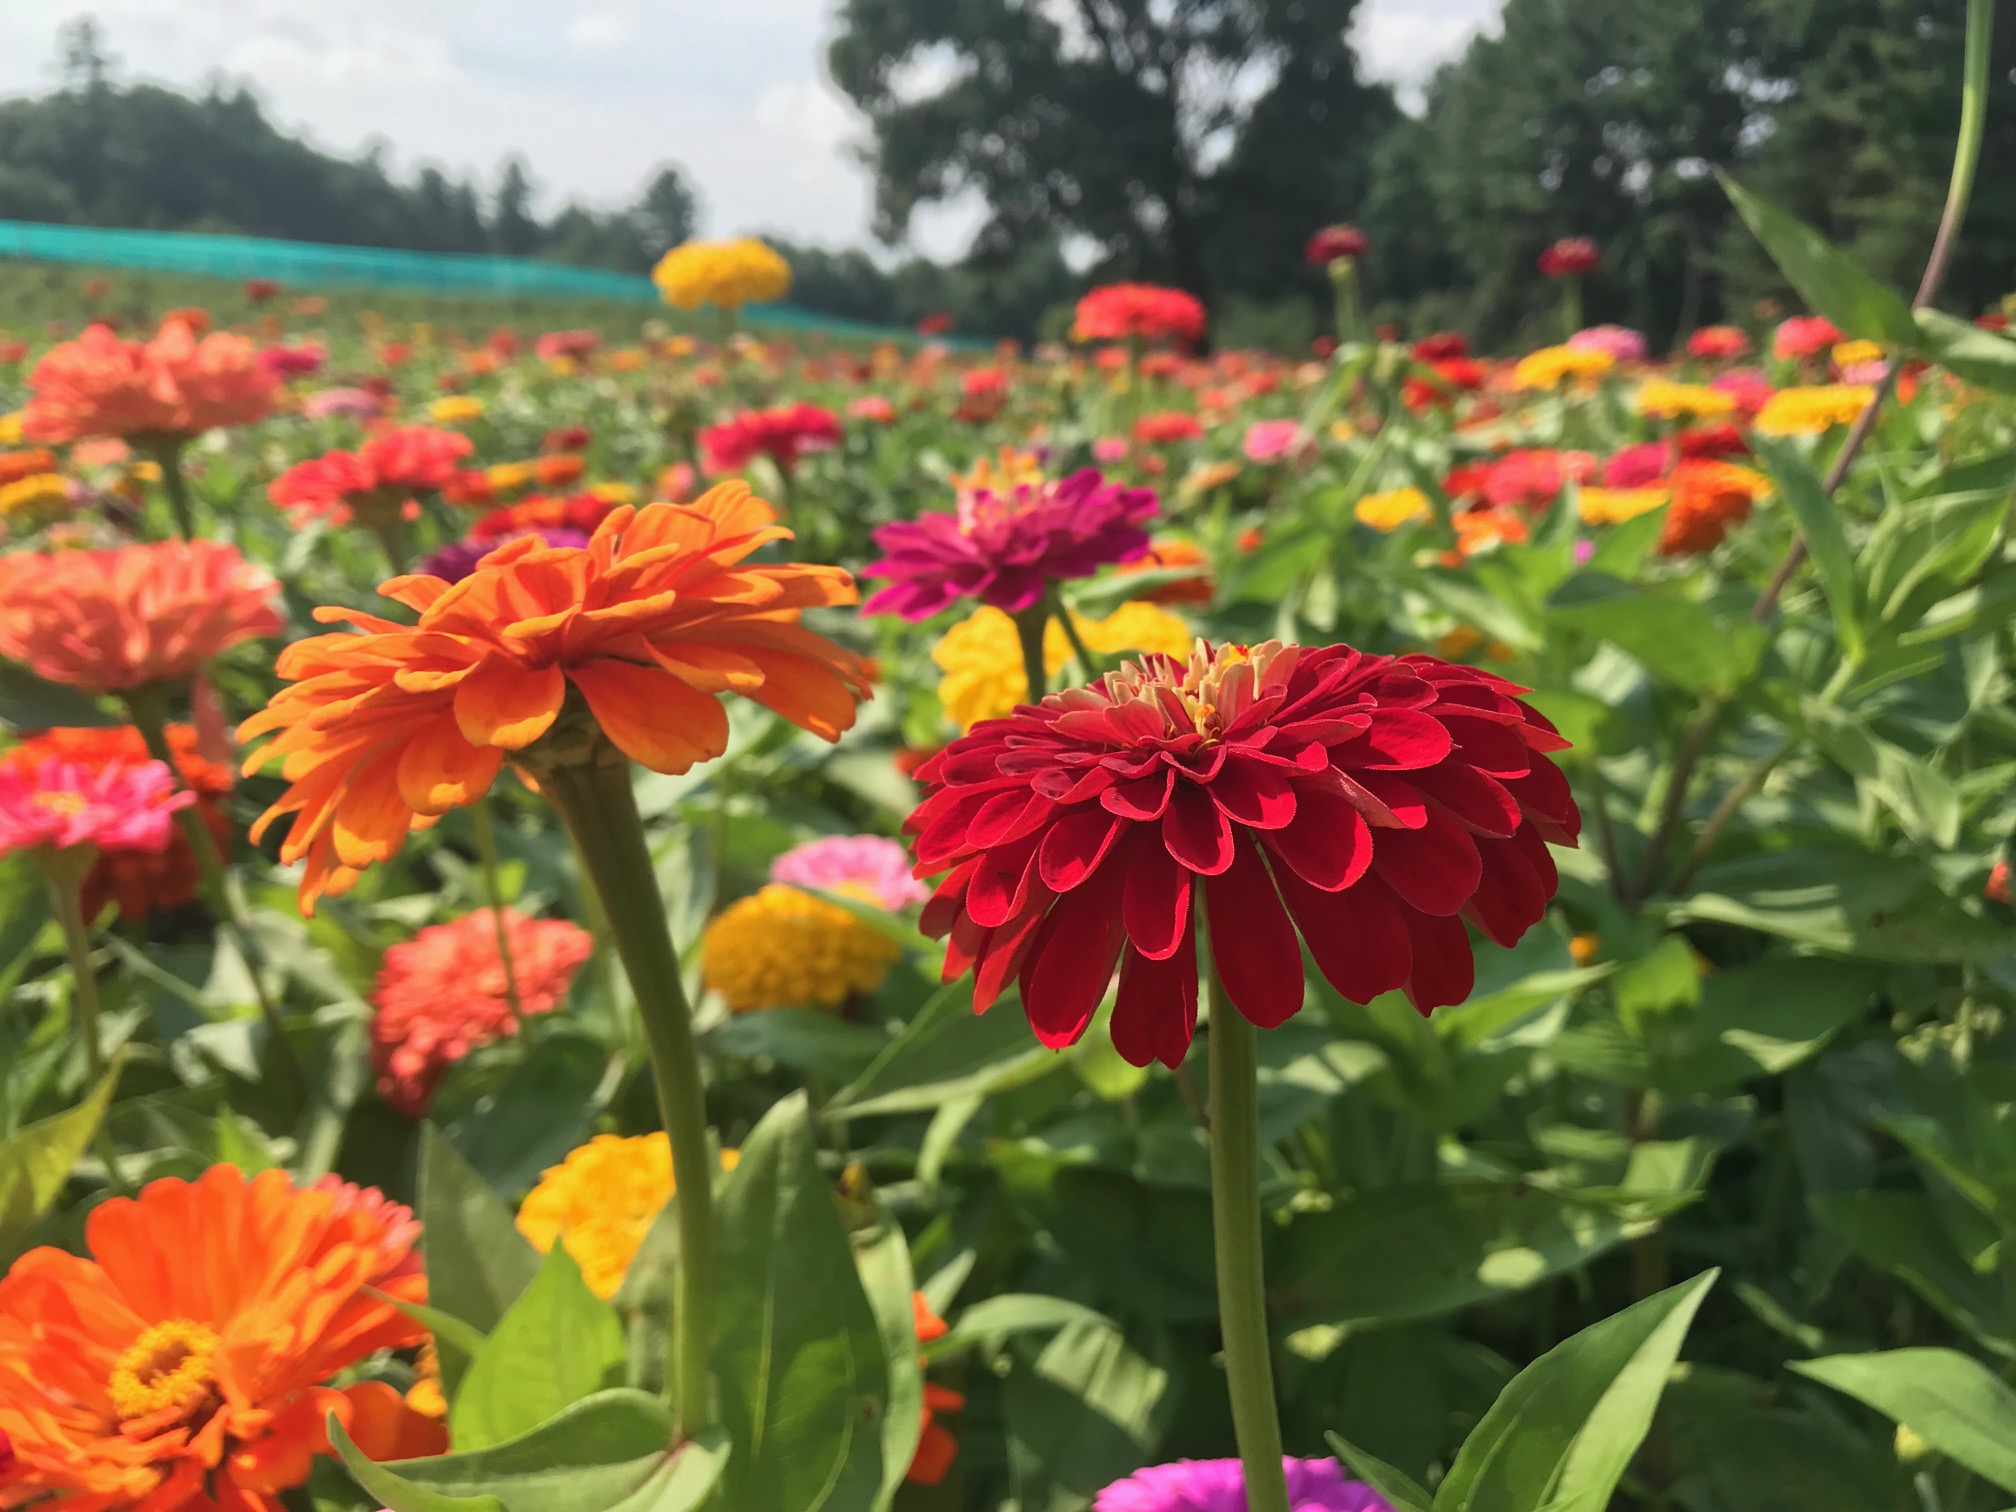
x=1748, y=387
x=1621, y=342
x=347, y=403
x=783, y=433
x=868, y=867
x=1006, y=548
x=61, y=804
x=1275, y=441
x=1637, y=466
x=284, y=362
x=1314, y=1485
x=1106, y=450
x=1804, y=336
x=1535, y=477
x=874, y=408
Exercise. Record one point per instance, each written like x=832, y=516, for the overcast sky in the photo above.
x=592, y=93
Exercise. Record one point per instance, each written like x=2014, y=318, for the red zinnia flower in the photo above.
x=1997, y=888
x=1534, y=478
x=784, y=434
x=571, y=344
x=1441, y=347
x=1453, y=376
x=1335, y=244
x=1804, y=336
x=1150, y=312
x=1570, y=257
x=565, y=438
x=259, y=290
x=1718, y=343
x=1370, y=803
x=1166, y=426
x=934, y=325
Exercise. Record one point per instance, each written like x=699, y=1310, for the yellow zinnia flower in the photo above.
x=10, y=428
x=999, y=474
x=1613, y=506
x=1390, y=510
x=455, y=409
x=1665, y=400
x=1813, y=410
x=601, y=1201
x=33, y=495
x=787, y=948
x=981, y=656
x=727, y=275
x=1551, y=367
x=1847, y=354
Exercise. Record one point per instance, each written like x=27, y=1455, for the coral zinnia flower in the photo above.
x=1570, y=257
x=1719, y=343
x=600, y=1203
x=144, y=879
x=391, y=465
x=1370, y=803
x=1802, y=336
x=61, y=805
x=783, y=434
x=444, y=993
x=1150, y=312
x=635, y=633
x=108, y=621
x=165, y=389
x=785, y=948
x=1006, y=548
x=1166, y=426
x=1710, y=499
x=184, y=1364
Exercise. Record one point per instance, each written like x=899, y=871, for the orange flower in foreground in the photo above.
x=139, y=881
x=184, y=1364
x=171, y=387
x=109, y=621
x=530, y=656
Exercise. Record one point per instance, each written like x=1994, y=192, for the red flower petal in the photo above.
x=1357, y=937
x=1329, y=845
x=1435, y=868
x=1481, y=804
x=1001, y=882
x=1070, y=964
x=1444, y=971
x=1074, y=845
x=1155, y=1015
x=1197, y=833
x=1253, y=794
x=1156, y=904
x=1252, y=942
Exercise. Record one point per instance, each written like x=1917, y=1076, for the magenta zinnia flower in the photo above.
x=1371, y=804
x=868, y=867
x=63, y=804
x=1005, y=549
x=1314, y=1485
x=1621, y=342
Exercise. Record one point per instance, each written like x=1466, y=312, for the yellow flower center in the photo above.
x=59, y=802
x=168, y=1367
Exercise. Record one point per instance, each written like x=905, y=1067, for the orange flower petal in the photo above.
x=440, y=770
x=506, y=704
x=654, y=718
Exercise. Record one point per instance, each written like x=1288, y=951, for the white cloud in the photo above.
x=373, y=57
x=599, y=31
x=1404, y=41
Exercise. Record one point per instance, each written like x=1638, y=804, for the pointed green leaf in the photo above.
x=1953, y=1402
x=1826, y=278
x=1987, y=358
x=477, y=1262
x=1820, y=524
x=994, y=1318
x=884, y=1258
x=799, y=1359
x=1565, y=1429
x=35, y=1164
x=558, y=1344
x=1400, y=1489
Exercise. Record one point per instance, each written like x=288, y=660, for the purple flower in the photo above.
x=1314, y=1485
x=456, y=561
x=1620, y=342
x=867, y=867
x=1005, y=549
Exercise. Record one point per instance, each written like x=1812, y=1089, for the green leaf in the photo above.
x=947, y=1052
x=1820, y=524
x=1825, y=276
x=450, y=1333
x=995, y=1318
x=542, y=1109
x=596, y=1456
x=1964, y=349
x=1900, y=1233
x=1672, y=635
x=1401, y=1490
x=1953, y=1402
x=883, y=1255
x=798, y=1353
x=1763, y=1019
x=478, y=1263
x=1088, y=1409
x=1565, y=1430
x=35, y=1163
x=559, y=1344
x=812, y=1044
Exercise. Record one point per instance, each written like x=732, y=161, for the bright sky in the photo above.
x=592, y=93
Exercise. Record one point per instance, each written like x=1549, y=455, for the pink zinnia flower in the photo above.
x=868, y=867
x=1638, y=466
x=62, y=804
x=1748, y=387
x=1804, y=336
x=349, y=403
x=1314, y=1485
x=1621, y=342
x=1005, y=549
x=282, y=362
x=1274, y=440
x=1106, y=450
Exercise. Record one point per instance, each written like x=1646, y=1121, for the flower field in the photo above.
x=650, y=920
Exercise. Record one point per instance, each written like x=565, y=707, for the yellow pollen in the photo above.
x=61, y=802
x=168, y=1367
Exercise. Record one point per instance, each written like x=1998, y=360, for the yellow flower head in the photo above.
x=981, y=656
x=1613, y=506
x=601, y=1201
x=507, y=477
x=613, y=493
x=999, y=476
x=10, y=428
x=1847, y=354
x=1813, y=410
x=36, y=494
x=727, y=275
x=783, y=948
x=1665, y=400
x=455, y=409
x=1390, y=510
x=1551, y=367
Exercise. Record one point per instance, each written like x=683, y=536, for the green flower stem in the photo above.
x=147, y=707
x=1235, y=1234
x=1030, y=624
x=1571, y=305
x=167, y=454
x=66, y=899
x=1344, y=287
x=599, y=808
x=493, y=888
x=1089, y=666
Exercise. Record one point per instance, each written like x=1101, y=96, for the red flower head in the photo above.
x=259, y=290
x=1370, y=803
x=1452, y=376
x=1996, y=890
x=565, y=438
x=1441, y=347
x=1164, y=427
x=414, y=458
x=582, y=512
x=1718, y=439
x=572, y=344
x=1637, y=466
x=784, y=434
x=1570, y=257
x=387, y=469
x=165, y=389
x=1804, y=336
x=1118, y=312
x=1534, y=478
x=934, y=325
x=1722, y=343
x=1335, y=244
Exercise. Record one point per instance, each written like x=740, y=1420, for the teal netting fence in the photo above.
x=316, y=264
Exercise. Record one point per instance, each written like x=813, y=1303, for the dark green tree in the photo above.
x=514, y=229
x=667, y=212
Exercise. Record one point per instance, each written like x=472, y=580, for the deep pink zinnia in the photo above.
x=64, y=804
x=1005, y=549
x=1371, y=804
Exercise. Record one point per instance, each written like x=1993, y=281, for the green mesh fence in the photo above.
x=314, y=264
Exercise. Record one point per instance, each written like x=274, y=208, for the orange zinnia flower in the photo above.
x=111, y=621
x=533, y=653
x=183, y=1365
x=161, y=390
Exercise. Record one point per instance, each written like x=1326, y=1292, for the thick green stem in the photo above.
x=1571, y=305
x=493, y=888
x=600, y=810
x=1089, y=666
x=66, y=900
x=1344, y=288
x=1030, y=626
x=1235, y=1233
x=167, y=453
